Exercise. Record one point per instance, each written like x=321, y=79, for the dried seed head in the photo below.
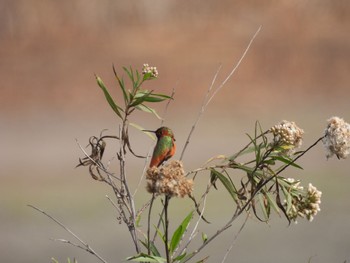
x=169, y=179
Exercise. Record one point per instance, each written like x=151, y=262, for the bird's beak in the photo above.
x=148, y=131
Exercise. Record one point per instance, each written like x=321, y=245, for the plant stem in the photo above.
x=166, y=205
x=124, y=184
x=149, y=226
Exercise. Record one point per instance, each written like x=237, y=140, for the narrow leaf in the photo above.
x=272, y=202
x=146, y=258
x=140, y=128
x=228, y=185
x=178, y=258
x=204, y=237
x=145, y=108
x=152, y=247
x=139, y=99
x=264, y=209
x=122, y=86
x=109, y=99
x=287, y=161
x=249, y=170
x=177, y=236
x=160, y=234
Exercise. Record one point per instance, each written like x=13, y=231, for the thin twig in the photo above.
x=201, y=111
x=236, y=67
x=143, y=171
x=114, y=204
x=168, y=103
x=86, y=246
x=71, y=243
x=206, y=102
x=235, y=238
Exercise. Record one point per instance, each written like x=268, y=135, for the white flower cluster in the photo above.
x=337, y=138
x=287, y=133
x=305, y=205
x=146, y=69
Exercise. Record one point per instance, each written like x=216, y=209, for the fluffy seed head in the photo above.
x=337, y=138
x=169, y=179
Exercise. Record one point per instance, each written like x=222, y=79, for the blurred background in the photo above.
x=297, y=69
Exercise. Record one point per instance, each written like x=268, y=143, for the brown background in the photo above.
x=297, y=69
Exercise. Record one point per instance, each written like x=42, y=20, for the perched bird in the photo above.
x=165, y=147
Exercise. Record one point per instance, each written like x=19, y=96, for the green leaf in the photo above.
x=152, y=247
x=226, y=182
x=177, y=236
x=54, y=260
x=142, y=257
x=178, y=258
x=145, y=108
x=147, y=76
x=152, y=96
x=137, y=76
x=265, y=210
x=288, y=200
x=154, y=99
x=139, y=98
x=272, y=202
x=287, y=161
x=160, y=234
x=138, y=219
x=249, y=170
x=140, y=128
x=109, y=99
x=130, y=73
x=204, y=237
x=122, y=86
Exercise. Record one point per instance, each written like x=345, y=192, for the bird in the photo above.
x=165, y=147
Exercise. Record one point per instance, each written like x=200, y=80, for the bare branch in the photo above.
x=168, y=103
x=201, y=111
x=207, y=101
x=235, y=238
x=71, y=243
x=143, y=172
x=86, y=246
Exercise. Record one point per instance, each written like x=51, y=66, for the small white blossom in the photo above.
x=287, y=133
x=306, y=204
x=146, y=69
